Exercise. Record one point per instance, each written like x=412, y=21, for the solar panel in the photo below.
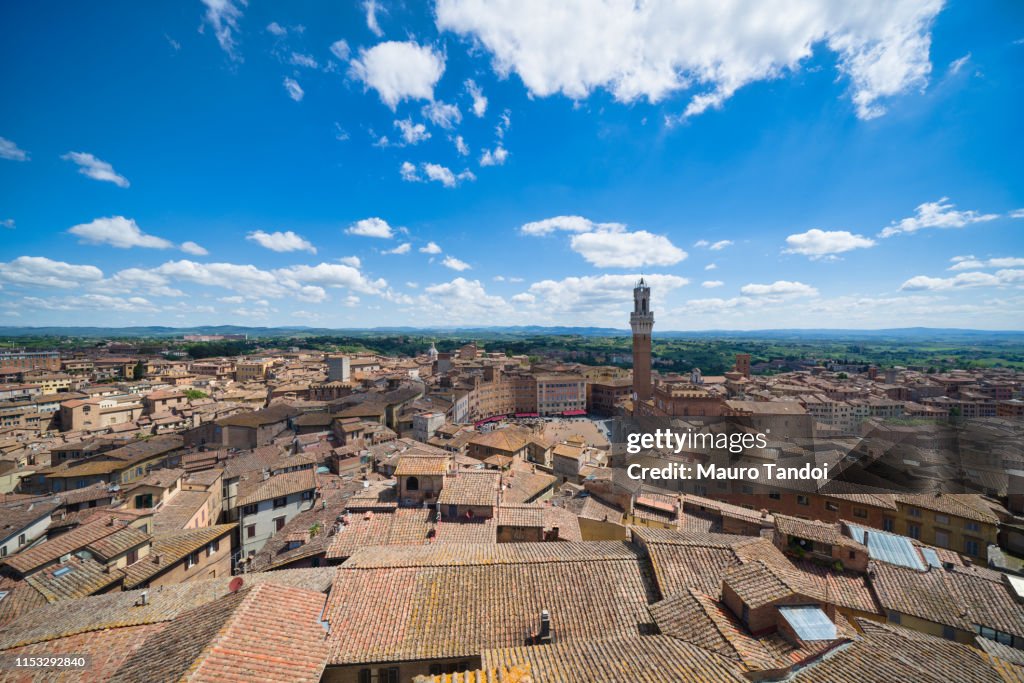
x=931, y=557
x=894, y=550
x=890, y=548
x=809, y=622
x=857, y=533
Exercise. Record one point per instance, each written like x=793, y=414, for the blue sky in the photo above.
x=805, y=165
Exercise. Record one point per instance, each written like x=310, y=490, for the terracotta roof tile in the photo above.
x=280, y=485
x=648, y=659
x=265, y=633
x=428, y=602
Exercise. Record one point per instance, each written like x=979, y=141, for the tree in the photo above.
x=194, y=394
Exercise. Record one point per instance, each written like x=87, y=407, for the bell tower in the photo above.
x=642, y=322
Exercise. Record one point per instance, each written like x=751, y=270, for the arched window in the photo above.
x=412, y=484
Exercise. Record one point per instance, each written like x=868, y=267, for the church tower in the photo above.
x=642, y=322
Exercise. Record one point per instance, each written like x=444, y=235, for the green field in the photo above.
x=674, y=352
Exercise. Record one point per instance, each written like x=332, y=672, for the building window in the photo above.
x=307, y=495
x=888, y=524
x=831, y=507
x=21, y=540
x=280, y=502
x=3, y=551
x=250, y=531
x=914, y=512
x=942, y=538
x=948, y=632
x=914, y=531
x=278, y=523
x=894, y=617
x=250, y=510
x=774, y=495
x=133, y=556
x=192, y=560
x=212, y=547
x=942, y=519
x=412, y=484
x=972, y=526
x=803, y=500
x=972, y=547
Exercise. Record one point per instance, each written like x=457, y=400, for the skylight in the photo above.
x=809, y=622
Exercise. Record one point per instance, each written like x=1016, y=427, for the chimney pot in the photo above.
x=544, y=635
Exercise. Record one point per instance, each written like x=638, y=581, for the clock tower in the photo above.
x=642, y=322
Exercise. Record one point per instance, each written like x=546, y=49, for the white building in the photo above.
x=23, y=524
x=270, y=504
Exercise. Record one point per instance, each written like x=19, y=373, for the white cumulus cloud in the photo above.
x=222, y=16
x=430, y=248
x=399, y=71
x=610, y=245
x=442, y=114
x=281, y=241
x=371, y=7
x=193, y=248
x=293, y=89
x=626, y=249
x=479, y=101
x=568, y=224
x=606, y=294
x=962, y=280
x=11, y=151
x=44, y=272
x=496, y=157
x=445, y=175
x=940, y=214
x=118, y=231
x=655, y=49
x=371, y=227
x=971, y=263
x=455, y=264
x=817, y=244
x=412, y=133
x=403, y=248
x=340, y=49
x=779, y=288
x=97, y=169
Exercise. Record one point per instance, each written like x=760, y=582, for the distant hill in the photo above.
x=902, y=333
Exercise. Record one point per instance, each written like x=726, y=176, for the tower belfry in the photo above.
x=641, y=320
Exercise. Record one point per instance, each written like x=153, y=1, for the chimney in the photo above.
x=143, y=599
x=544, y=635
x=266, y=475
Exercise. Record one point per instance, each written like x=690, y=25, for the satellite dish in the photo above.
x=236, y=584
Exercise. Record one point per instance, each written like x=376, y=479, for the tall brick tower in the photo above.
x=743, y=364
x=642, y=322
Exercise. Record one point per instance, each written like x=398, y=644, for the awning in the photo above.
x=574, y=413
